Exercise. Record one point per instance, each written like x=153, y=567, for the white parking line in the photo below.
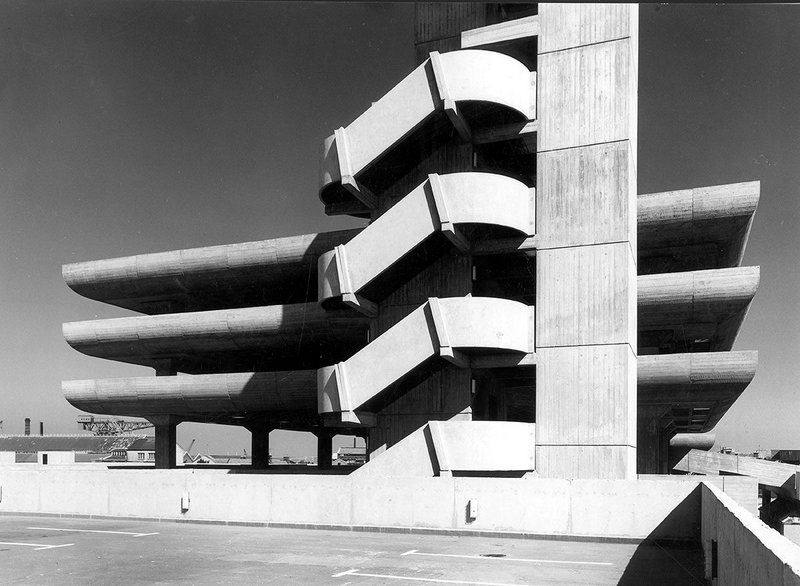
x=506, y=559
x=94, y=531
x=36, y=546
x=355, y=572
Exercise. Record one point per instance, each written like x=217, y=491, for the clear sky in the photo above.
x=139, y=127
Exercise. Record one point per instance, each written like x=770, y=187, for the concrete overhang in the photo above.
x=217, y=397
x=291, y=336
x=697, y=389
x=248, y=274
x=694, y=229
x=693, y=311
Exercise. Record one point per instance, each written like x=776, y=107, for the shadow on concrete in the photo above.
x=672, y=553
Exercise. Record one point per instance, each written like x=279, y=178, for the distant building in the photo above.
x=65, y=449
x=75, y=449
x=350, y=456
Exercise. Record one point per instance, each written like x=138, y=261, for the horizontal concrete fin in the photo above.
x=214, y=277
x=277, y=331
x=191, y=395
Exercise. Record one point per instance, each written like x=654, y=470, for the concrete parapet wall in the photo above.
x=747, y=550
x=632, y=509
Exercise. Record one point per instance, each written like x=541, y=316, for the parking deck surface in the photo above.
x=52, y=550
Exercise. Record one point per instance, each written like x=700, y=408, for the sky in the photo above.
x=136, y=127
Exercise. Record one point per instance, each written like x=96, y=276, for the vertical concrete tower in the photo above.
x=586, y=253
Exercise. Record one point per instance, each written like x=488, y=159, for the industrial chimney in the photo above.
x=27, y=426
x=41, y=428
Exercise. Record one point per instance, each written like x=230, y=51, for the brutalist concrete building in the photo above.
x=514, y=305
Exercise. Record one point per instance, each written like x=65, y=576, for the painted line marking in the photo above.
x=36, y=546
x=507, y=559
x=355, y=572
x=95, y=531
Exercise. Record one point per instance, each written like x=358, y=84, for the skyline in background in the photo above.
x=128, y=128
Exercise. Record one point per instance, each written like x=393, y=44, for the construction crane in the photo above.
x=111, y=425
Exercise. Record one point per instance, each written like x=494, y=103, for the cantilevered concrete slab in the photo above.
x=278, y=270
x=265, y=272
x=296, y=336
x=704, y=383
x=694, y=311
x=692, y=229
x=209, y=397
x=465, y=89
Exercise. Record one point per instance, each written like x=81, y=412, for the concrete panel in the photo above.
x=590, y=397
x=587, y=96
x=586, y=196
x=667, y=506
x=748, y=552
x=538, y=506
x=564, y=26
x=445, y=447
x=309, y=499
x=586, y=295
x=229, y=497
x=157, y=493
x=586, y=461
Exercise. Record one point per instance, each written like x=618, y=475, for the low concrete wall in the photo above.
x=748, y=552
x=635, y=509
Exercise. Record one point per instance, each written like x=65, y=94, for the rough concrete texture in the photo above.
x=663, y=508
x=747, y=551
x=442, y=447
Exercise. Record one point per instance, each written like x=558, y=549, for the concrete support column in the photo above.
x=259, y=445
x=586, y=224
x=324, y=449
x=653, y=435
x=166, y=427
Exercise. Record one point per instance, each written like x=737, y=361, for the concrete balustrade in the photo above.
x=439, y=204
x=440, y=328
x=436, y=86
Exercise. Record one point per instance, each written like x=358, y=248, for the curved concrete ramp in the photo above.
x=247, y=274
x=446, y=328
x=447, y=448
x=197, y=396
x=439, y=204
x=468, y=87
x=224, y=337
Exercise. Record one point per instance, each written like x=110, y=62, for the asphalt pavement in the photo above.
x=53, y=550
